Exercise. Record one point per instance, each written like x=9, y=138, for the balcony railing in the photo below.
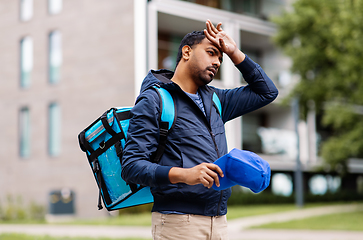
x=262, y=9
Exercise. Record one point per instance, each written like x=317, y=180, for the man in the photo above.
x=185, y=205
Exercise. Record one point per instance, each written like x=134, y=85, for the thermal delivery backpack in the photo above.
x=103, y=142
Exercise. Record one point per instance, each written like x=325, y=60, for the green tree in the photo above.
x=325, y=42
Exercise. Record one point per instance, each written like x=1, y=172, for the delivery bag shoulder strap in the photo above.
x=166, y=121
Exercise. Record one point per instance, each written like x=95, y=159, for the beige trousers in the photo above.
x=188, y=227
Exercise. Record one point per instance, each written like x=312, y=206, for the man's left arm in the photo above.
x=260, y=90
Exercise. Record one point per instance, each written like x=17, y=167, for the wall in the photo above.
x=97, y=73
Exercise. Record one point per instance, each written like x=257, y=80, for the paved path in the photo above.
x=237, y=228
x=77, y=231
x=264, y=234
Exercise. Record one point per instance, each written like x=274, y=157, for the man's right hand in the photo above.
x=204, y=173
x=224, y=42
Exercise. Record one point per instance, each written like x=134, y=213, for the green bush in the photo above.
x=37, y=211
x=346, y=196
x=15, y=210
x=245, y=198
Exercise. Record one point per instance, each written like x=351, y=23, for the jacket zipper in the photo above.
x=217, y=150
x=220, y=198
x=214, y=141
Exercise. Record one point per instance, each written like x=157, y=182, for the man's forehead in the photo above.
x=208, y=44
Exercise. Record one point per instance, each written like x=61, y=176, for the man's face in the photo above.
x=205, y=61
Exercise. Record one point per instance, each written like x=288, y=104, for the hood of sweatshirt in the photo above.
x=159, y=77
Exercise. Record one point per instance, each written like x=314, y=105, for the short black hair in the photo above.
x=190, y=39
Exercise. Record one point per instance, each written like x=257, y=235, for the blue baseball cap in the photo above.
x=245, y=168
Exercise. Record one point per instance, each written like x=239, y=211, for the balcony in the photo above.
x=263, y=9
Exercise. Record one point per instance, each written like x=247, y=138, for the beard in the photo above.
x=200, y=74
x=204, y=77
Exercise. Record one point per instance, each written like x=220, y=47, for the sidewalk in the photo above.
x=77, y=231
x=237, y=227
x=264, y=234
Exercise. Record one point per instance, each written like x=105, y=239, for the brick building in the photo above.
x=64, y=62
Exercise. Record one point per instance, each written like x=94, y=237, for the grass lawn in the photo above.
x=27, y=237
x=144, y=219
x=129, y=219
x=341, y=221
x=252, y=210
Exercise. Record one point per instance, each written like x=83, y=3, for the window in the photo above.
x=281, y=184
x=26, y=61
x=321, y=184
x=250, y=126
x=55, y=56
x=55, y=6
x=24, y=130
x=168, y=45
x=26, y=10
x=54, y=131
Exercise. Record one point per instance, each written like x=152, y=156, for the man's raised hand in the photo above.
x=223, y=41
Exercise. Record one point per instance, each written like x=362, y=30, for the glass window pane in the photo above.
x=281, y=184
x=251, y=139
x=26, y=61
x=55, y=56
x=54, y=132
x=24, y=130
x=168, y=50
x=55, y=6
x=26, y=10
x=318, y=185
